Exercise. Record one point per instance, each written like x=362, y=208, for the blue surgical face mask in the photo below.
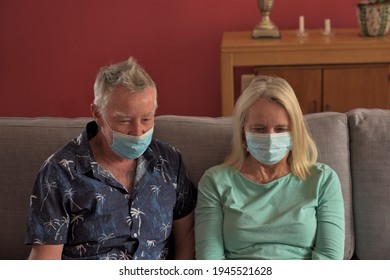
x=268, y=149
x=128, y=146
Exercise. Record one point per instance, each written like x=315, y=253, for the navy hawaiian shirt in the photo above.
x=77, y=203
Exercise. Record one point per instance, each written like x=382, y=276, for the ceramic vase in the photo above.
x=373, y=18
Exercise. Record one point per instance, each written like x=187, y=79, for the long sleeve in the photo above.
x=330, y=220
x=208, y=221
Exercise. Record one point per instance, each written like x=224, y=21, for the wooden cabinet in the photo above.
x=306, y=82
x=335, y=73
x=336, y=88
x=346, y=87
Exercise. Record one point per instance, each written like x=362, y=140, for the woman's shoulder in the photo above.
x=323, y=168
x=220, y=173
x=324, y=172
x=220, y=169
x=218, y=178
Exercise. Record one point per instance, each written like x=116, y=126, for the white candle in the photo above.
x=327, y=26
x=301, y=24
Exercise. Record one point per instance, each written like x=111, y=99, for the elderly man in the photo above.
x=114, y=192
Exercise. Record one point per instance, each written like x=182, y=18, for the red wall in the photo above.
x=51, y=50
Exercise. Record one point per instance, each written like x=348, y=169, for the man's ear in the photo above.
x=96, y=114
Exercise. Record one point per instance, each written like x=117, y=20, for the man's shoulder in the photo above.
x=69, y=152
x=162, y=147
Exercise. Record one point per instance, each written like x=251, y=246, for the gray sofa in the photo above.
x=355, y=144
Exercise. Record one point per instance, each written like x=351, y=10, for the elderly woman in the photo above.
x=270, y=199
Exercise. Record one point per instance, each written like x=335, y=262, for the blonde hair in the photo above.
x=304, y=151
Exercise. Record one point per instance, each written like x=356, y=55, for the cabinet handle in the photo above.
x=327, y=107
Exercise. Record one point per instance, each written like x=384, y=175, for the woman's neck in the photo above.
x=261, y=173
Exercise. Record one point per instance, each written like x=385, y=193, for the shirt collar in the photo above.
x=85, y=161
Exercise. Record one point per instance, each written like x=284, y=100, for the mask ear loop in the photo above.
x=105, y=136
x=244, y=143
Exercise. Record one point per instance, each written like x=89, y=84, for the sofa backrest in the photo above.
x=370, y=162
x=330, y=133
x=204, y=142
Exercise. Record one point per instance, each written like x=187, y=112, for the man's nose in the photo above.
x=137, y=129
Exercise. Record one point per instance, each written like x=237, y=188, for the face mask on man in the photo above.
x=128, y=146
x=268, y=149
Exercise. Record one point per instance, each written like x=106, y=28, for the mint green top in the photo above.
x=285, y=219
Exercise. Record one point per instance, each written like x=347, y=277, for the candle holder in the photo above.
x=327, y=31
x=301, y=32
x=266, y=28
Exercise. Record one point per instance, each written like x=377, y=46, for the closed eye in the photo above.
x=281, y=129
x=258, y=130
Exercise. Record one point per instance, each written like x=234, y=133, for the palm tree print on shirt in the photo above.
x=136, y=214
x=161, y=167
x=151, y=243
x=81, y=249
x=75, y=221
x=66, y=163
x=69, y=194
x=165, y=228
x=100, y=197
x=103, y=238
x=57, y=225
x=48, y=186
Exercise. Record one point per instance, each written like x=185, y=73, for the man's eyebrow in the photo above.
x=150, y=114
x=120, y=114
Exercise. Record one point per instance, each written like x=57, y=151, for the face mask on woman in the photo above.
x=268, y=149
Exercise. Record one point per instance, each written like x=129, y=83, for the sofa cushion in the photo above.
x=330, y=133
x=25, y=144
x=370, y=165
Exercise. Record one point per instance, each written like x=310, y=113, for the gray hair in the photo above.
x=128, y=74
